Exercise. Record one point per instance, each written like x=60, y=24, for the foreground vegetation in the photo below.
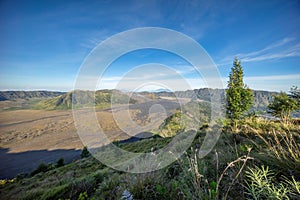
x=260, y=161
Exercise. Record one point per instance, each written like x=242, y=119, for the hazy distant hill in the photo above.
x=85, y=98
x=261, y=98
x=159, y=90
x=12, y=95
x=62, y=100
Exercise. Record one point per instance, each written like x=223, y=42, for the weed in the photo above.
x=261, y=184
x=83, y=196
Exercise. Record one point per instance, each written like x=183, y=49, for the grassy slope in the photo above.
x=188, y=178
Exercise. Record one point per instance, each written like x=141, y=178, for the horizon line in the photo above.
x=150, y=91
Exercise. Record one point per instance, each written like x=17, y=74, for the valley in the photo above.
x=53, y=132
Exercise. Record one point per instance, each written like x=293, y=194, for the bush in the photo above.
x=60, y=162
x=41, y=168
x=85, y=152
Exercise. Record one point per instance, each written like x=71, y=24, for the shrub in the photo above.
x=60, y=162
x=41, y=168
x=282, y=105
x=85, y=152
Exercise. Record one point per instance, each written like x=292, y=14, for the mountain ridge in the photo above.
x=63, y=100
x=12, y=95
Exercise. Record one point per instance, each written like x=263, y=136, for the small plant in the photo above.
x=41, y=168
x=83, y=196
x=85, y=152
x=161, y=190
x=60, y=162
x=213, y=187
x=294, y=186
x=127, y=195
x=261, y=185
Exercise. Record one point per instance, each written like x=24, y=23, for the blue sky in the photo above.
x=44, y=43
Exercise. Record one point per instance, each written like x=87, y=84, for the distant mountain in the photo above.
x=261, y=98
x=85, y=98
x=12, y=95
x=160, y=90
x=62, y=100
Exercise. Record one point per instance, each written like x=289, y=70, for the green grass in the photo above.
x=233, y=169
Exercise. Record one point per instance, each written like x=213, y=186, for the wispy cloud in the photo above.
x=274, y=78
x=185, y=69
x=283, y=48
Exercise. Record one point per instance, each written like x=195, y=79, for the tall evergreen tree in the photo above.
x=238, y=96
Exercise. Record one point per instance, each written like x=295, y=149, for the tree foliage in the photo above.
x=295, y=94
x=282, y=105
x=238, y=96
